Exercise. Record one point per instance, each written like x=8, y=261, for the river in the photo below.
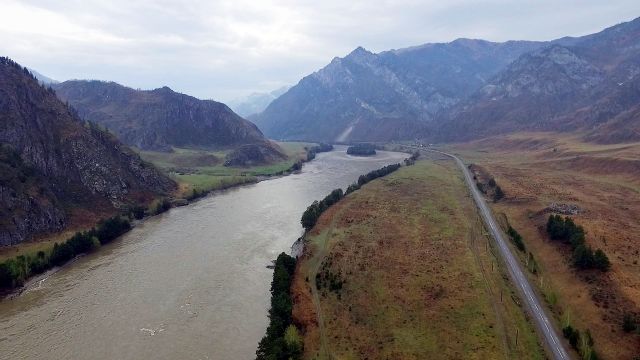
x=189, y=284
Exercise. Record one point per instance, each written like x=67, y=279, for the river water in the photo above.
x=189, y=284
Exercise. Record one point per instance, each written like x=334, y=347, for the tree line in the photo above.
x=14, y=272
x=313, y=212
x=568, y=232
x=282, y=340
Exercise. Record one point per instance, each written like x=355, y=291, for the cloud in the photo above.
x=227, y=48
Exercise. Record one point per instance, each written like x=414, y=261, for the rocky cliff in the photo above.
x=392, y=95
x=53, y=163
x=589, y=84
x=157, y=119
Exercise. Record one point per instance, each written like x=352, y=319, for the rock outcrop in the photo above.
x=255, y=154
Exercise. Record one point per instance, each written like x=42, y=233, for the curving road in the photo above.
x=553, y=342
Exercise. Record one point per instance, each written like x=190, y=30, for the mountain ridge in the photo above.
x=468, y=88
x=158, y=119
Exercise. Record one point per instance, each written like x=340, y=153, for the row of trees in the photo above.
x=568, y=232
x=282, y=340
x=313, y=212
x=14, y=272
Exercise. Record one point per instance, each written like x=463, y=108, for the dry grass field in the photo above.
x=411, y=275
x=538, y=169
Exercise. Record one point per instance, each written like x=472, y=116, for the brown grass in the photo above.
x=604, y=180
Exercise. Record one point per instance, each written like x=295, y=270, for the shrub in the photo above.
x=111, y=228
x=572, y=335
x=629, y=323
x=162, y=206
x=137, y=212
x=516, y=238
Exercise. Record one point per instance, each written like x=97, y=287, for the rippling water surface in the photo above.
x=189, y=284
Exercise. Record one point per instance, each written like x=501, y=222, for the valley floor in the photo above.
x=538, y=169
x=203, y=170
x=403, y=269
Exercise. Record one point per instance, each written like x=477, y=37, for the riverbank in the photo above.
x=16, y=260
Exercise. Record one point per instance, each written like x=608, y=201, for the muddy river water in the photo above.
x=189, y=284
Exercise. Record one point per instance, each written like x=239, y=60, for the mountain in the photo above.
x=468, y=89
x=589, y=84
x=158, y=119
x=391, y=95
x=55, y=167
x=45, y=80
x=256, y=102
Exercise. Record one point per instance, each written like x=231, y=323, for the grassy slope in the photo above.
x=419, y=279
x=203, y=170
x=604, y=180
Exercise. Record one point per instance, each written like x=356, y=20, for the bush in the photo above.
x=111, y=228
x=601, y=261
x=137, y=212
x=162, y=206
x=629, y=323
x=572, y=335
x=516, y=238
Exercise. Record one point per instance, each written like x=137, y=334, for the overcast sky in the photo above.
x=224, y=49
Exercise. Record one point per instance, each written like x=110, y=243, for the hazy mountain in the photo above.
x=391, y=95
x=256, y=102
x=589, y=84
x=158, y=119
x=45, y=80
x=54, y=164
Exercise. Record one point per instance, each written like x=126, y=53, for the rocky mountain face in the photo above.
x=469, y=89
x=391, y=95
x=256, y=102
x=43, y=79
x=158, y=119
x=53, y=163
x=588, y=84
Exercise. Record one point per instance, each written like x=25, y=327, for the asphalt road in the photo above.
x=553, y=342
